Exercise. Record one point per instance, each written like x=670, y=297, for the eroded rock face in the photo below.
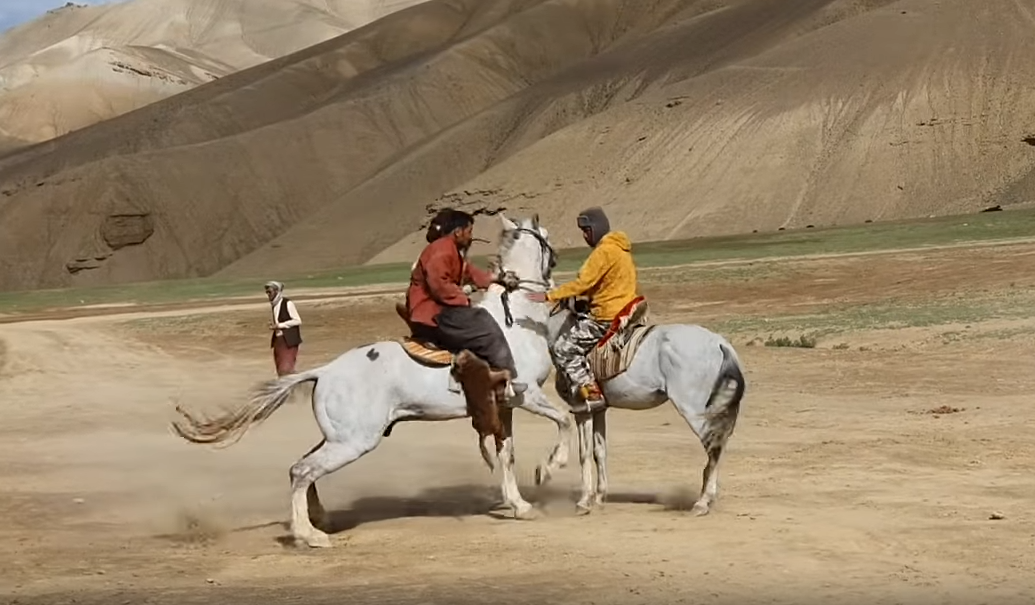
x=85, y=263
x=117, y=230
x=121, y=230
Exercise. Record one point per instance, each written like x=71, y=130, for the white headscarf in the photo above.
x=279, y=287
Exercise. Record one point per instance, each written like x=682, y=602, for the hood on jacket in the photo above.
x=616, y=238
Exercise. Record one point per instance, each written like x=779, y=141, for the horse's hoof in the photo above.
x=317, y=539
x=525, y=514
x=582, y=509
x=700, y=509
x=542, y=475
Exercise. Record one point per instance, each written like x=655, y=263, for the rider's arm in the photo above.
x=590, y=273
x=440, y=287
x=479, y=277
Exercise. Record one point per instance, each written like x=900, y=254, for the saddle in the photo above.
x=483, y=388
x=616, y=349
x=422, y=351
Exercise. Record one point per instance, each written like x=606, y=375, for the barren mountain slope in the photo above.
x=8, y=143
x=681, y=117
x=275, y=91
x=701, y=37
x=713, y=126
x=79, y=65
x=914, y=109
x=202, y=205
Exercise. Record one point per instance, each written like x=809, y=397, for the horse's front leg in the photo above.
x=536, y=402
x=511, y=494
x=584, y=426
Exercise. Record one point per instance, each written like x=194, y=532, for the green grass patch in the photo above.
x=1014, y=333
x=726, y=274
x=842, y=319
x=188, y=324
x=171, y=291
x=868, y=237
x=940, y=231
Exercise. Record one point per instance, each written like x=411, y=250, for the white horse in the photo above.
x=359, y=396
x=695, y=368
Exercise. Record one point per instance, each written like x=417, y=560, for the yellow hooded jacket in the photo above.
x=607, y=278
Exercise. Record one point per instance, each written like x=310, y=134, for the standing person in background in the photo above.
x=285, y=327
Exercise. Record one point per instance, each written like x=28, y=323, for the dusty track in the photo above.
x=839, y=484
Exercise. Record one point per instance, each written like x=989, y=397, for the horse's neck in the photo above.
x=520, y=307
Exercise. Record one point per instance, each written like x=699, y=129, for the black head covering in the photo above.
x=596, y=221
x=445, y=222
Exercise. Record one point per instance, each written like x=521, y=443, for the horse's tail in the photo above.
x=723, y=405
x=227, y=429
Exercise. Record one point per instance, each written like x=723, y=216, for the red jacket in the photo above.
x=436, y=281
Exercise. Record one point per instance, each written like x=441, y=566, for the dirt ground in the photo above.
x=888, y=464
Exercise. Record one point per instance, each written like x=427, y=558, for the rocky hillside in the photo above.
x=682, y=117
x=78, y=65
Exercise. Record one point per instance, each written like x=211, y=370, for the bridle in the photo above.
x=550, y=255
x=548, y=261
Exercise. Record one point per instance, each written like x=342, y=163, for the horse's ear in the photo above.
x=508, y=224
x=535, y=221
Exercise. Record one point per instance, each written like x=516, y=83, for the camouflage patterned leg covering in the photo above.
x=571, y=349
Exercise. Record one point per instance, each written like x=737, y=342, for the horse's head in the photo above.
x=526, y=251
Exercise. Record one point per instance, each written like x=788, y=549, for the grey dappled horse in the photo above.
x=695, y=368
x=361, y=394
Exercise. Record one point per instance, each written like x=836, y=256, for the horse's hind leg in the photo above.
x=511, y=494
x=713, y=432
x=325, y=459
x=710, y=480
x=600, y=455
x=317, y=513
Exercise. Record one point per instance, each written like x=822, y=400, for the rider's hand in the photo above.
x=537, y=296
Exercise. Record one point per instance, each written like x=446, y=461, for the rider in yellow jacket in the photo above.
x=608, y=279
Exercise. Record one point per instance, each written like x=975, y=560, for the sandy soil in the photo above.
x=892, y=468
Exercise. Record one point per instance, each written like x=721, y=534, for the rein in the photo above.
x=549, y=255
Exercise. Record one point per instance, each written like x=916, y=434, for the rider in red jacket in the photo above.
x=438, y=308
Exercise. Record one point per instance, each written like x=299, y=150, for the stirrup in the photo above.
x=515, y=388
x=591, y=399
x=590, y=393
